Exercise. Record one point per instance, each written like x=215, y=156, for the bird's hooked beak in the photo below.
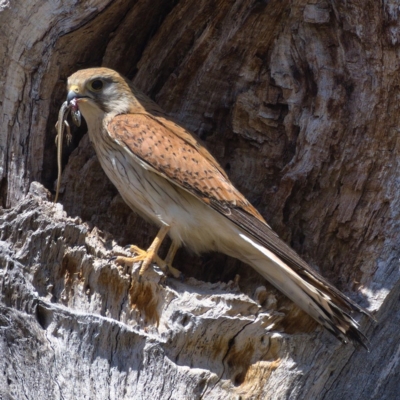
x=71, y=96
x=74, y=95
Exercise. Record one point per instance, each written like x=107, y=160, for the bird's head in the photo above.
x=98, y=91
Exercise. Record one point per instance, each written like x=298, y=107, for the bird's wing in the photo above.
x=174, y=153
x=184, y=135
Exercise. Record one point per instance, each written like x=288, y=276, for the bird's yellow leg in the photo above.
x=164, y=265
x=140, y=256
x=150, y=255
x=170, y=257
x=147, y=256
x=151, y=252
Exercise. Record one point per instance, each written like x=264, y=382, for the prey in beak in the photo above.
x=72, y=101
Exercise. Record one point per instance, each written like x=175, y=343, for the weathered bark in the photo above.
x=298, y=101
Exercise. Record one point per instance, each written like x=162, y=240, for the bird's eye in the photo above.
x=96, y=85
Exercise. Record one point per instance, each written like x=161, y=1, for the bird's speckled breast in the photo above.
x=154, y=197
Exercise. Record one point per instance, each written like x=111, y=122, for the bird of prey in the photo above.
x=165, y=174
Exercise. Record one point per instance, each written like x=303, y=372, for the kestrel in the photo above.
x=163, y=172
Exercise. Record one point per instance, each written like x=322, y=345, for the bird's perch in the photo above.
x=298, y=101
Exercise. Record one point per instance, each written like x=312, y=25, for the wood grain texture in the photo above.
x=297, y=100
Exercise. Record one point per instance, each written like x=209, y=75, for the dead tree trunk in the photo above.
x=298, y=100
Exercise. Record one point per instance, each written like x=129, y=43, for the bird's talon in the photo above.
x=139, y=279
x=118, y=260
x=128, y=260
x=175, y=272
x=137, y=250
x=147, y=259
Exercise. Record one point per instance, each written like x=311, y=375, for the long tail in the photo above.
x=320, y=300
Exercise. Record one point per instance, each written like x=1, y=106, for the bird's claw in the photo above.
x=170, y=270
x=127, y=260
x=147, y=257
